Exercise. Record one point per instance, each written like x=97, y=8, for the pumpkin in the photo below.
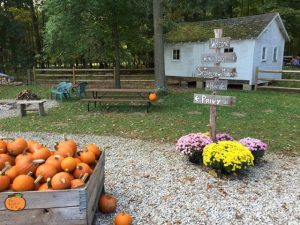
x=45, y=171
x=68, y=164
x=6, y=158
x=77, y=160
x=41, y=153
x=11, y=172
x=95, y=149
x=46, y=186
x=55, y=160
x=152, y=97
x=61, y=181
x=87, y=157
x=28, y=164
x=78, y=183
x=66, y=147
x=33, y=146
x=17, y=146
x=81, y=169
x=23, y=183
x=4, y=180
x=23, y=155
x=66, y=151
x=107, y=203
x=3, y=148
x=123, y=218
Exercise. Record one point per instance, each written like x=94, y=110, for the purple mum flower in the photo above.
x=254, y=144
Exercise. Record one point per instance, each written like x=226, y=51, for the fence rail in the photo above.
x=91, y=75
x=257, y=79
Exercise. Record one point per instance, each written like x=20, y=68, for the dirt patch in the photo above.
x=194, y=113
x=239, y=114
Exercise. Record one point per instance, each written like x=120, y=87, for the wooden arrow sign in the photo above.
x=214, y=100
x=219, y=42
x=219, y=57
x=213, y=85
x=212, y=72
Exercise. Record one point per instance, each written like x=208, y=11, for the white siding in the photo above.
x=270, y=38
x=182, y=67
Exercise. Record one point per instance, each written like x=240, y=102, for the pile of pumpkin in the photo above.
x=27, y=165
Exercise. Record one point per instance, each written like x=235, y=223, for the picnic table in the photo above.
x=118, y=95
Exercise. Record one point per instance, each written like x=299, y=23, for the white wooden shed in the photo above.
x=258, y=41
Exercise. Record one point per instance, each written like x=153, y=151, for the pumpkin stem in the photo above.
x=48, y=182
x=65, y=137
x=63, y=180
x=30, y=173
x=84, y=177
x=38, y=161
x=4, y=170
x=38, y=179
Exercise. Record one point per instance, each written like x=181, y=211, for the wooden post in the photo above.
x=34, y=75
x=213, y=108
x=114, y=74
x=74, y=78
x=29, y=77
x=256, y=78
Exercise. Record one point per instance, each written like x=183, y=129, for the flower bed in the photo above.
x=226, y=155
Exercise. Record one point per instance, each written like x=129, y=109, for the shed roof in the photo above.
x=239, y=28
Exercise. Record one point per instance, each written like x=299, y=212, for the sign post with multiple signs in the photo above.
x=215, y=73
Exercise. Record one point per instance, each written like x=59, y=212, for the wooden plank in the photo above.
x=214, y=100
x=279, y=88
x=228, y=57
x=279, y=71
x=56, y=70
x=40, y=75
x=114, y=100
x=45, y=216
x=216, y=85
x=121, y=90
x=137, y=80
x=223, y=42
x=212, y=72
x=95, y=70
x=41, y=200
x=20, y=102
x=283, y=80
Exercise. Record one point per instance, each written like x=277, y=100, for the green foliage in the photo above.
x=271, y=116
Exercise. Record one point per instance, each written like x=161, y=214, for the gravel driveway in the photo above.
x=158, y=186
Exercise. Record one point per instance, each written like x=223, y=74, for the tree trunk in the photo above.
x=160, y=78
x=36, y=31
x=116, y=38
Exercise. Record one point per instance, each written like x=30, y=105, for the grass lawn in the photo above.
x=272, y=117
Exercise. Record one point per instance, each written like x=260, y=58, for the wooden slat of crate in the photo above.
x=64, y=207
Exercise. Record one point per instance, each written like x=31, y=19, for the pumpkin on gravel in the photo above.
x=107, y=203
x=122, y=218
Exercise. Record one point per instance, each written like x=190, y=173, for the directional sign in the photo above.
x=211, y=72
x=219, y=42
x=214, y=100
x=214, y=85
x=228, y=57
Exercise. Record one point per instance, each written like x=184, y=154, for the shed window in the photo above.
x=176, y=54
x=264, y=54
x=275, y=54
x=228, y=49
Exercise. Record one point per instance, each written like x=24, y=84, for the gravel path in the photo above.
x=158, y=186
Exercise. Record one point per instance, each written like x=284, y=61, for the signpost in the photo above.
x=216, y=72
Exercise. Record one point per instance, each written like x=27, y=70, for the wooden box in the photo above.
x=61, y=207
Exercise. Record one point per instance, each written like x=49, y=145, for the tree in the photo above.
x=160, y=79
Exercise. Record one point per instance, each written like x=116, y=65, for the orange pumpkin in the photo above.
x=23, y=183
x=17, y=146
x=95, y=149
x=68, y=164
x=123, y=218
x=55, y=160
x=107, y=203
x=81, y=169
x=45, y=171
x=65, y=151
x=41, y=153
x=61, y=181
x=28, y=164
x=87, y=157
x=3, y=148
x=78, y=183
x=152, y=97
x=4, y=180
x=11, y=173
x=6, y=158
x=46, y=186
x=33, y=146
x=20, y=156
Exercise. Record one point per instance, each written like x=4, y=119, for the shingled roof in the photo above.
x=239, y=28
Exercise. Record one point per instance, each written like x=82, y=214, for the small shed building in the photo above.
x=258, y=41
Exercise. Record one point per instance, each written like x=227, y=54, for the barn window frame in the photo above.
x=176, y=54
x=264, y=53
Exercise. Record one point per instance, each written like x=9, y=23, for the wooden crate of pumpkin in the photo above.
x=41, y=187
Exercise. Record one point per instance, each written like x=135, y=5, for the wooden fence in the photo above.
x=95, y=76
x=257, y=78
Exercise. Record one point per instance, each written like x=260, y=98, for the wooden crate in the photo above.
x=61, y=207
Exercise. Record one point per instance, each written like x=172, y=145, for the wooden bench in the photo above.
x=119, y=95
x=23, y=106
